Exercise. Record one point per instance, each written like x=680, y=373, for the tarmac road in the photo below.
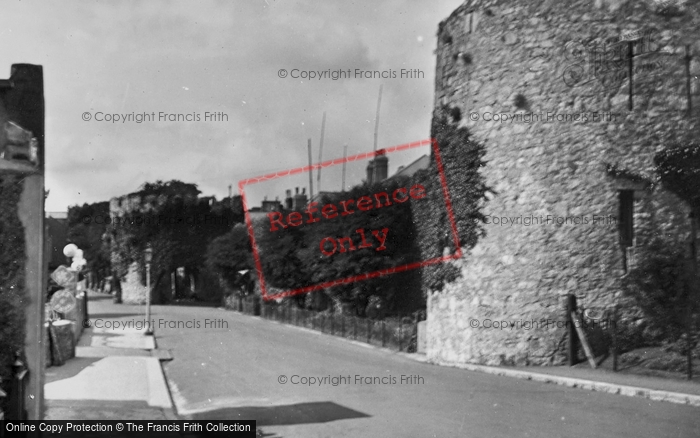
x=231, y=366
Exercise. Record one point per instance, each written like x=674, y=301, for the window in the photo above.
x=626, y=217
x=626, y=224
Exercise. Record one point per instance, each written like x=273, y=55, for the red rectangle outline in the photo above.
x=352, y=279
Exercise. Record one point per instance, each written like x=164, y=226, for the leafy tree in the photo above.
x=291, y=257
x=170, y=189
x=229, y=254
x=87, y=225
x=279, y=254
x=399, y=245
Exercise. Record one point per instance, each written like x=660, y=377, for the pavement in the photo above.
x=631, y=385
x=116, y=373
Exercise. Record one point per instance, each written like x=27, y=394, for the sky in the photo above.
x=165, y=58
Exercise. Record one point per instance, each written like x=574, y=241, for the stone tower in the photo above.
x=571, y=100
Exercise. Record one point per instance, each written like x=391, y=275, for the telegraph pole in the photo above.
x=345, y=155
x=320, y=151
x=311, y=174
x=376, y=132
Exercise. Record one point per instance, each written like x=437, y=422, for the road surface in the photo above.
x=230, y=366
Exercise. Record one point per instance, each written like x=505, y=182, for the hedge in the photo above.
x=12, y=259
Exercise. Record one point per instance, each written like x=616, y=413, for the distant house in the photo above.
x=378, y=169
x=410, y=170
x=267, y=206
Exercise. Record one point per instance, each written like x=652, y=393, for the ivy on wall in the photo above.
x=678, y=168
x=176, y=223
x=12, y=258
x=462, y=158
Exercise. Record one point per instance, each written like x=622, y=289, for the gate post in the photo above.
x=571, y=330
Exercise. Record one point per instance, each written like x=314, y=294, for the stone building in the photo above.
x=130, y=276
x=569, y=141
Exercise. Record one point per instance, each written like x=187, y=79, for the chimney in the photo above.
x=299, y=200
x=378, y=168
x=288, y=201
x=381, y=167
x=370, y=172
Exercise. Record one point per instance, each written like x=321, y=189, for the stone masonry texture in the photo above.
x=554, y=60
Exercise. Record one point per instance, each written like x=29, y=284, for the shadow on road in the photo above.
x=300, y=413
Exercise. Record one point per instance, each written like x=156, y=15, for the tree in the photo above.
x=229, y=254
x=279, y=254
x=170, y=189
x=399, y=246
x=87, y=225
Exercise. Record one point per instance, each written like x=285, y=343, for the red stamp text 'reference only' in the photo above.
x=330, y=246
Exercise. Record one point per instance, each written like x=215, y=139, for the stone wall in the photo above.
x=133, y=290
x=124, y=263
x=538, y=62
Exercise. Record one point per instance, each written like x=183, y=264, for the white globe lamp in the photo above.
x=69, y=250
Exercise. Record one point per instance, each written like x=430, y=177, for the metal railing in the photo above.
x=395, y=333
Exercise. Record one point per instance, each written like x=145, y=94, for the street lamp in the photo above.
x=148, y=257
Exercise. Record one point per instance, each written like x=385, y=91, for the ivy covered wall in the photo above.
x=12, y=295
